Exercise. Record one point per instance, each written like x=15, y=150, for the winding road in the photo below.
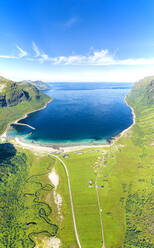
x=71, y=200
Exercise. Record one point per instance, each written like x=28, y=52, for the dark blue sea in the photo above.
x=80, y=113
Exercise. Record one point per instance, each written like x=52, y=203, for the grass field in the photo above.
x=84, y=198
x=126, y=199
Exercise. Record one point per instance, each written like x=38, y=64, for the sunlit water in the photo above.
x=80, y=113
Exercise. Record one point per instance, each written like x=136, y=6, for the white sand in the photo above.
x=58, y=201
x=49, y=243
x=53, y=243
x=46, y=149
x=54, y=178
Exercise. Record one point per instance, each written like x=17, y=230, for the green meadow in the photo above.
x=84, y=198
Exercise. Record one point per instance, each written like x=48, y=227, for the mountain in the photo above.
x=142, y=94
x=17, y=99
x=39, y=84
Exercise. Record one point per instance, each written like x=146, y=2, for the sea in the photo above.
x=80, y=113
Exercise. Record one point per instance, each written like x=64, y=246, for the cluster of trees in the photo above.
x=23, y=214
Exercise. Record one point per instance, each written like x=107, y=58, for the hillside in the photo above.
x=17, y=99
x=127, y=198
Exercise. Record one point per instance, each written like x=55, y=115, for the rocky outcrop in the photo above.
x=13, y=96
x=17, y=97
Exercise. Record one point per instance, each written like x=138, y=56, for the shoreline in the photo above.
x=116, y=137
x=26, y=115
x=4, y=134
x=54, y=148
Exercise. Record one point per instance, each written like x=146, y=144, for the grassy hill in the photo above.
x=128, y=193
x=17, y=99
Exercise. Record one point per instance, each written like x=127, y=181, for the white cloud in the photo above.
x=93, y=58
x=22, y=52
x=7, y=57
x=71, y=22
x=39, y=56
x=140, y=61
x=100, y=58
x=36, y=50
x=44, y=57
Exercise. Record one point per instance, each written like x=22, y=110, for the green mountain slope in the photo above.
x=17, y=99
x=127, y=198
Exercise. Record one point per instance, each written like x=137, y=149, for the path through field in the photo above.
x=71, y=200
x=100, y=214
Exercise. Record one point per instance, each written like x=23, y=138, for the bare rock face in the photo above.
x=17, y=97
x=13, y=97
x=3, y=102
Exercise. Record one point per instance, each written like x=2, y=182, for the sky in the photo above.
x=77, y=40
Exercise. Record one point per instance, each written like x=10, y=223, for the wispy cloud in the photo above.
x=22, y=53
x=36, y=49
x=69, y=23
x=41, y=56
x=7, y=57
x=93, y=58
x=101, y=58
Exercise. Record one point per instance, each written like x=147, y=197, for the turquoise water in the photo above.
x=80, y=113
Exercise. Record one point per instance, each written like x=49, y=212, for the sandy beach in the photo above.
x=49, y=149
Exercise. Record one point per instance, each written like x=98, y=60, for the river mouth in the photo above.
x=80, y=114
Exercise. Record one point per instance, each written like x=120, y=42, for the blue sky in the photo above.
x=77, y=40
